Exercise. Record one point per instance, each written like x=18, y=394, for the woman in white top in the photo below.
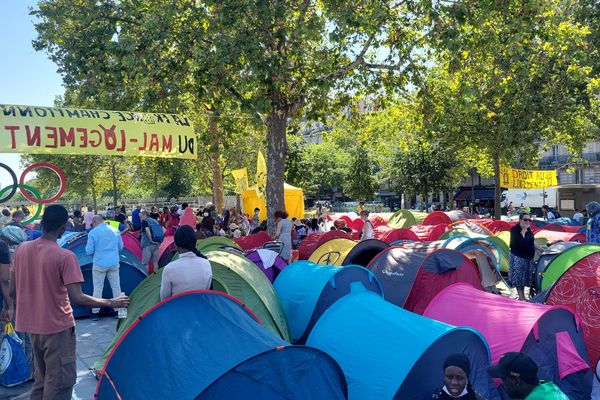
x=367, y=231
x=283, y=233
x=191, y=271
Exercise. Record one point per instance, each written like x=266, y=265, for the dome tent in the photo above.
x=389, y=353
x=306, y=290
x=213, y=348
x=550, y=335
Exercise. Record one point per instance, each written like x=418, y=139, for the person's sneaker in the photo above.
x=95, y=317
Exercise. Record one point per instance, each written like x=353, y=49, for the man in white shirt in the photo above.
x=368, y=230
x=191, y=271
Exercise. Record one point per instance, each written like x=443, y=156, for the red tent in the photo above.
x=429, y=233
x=555, y=236
x=253, y=241
x=310, y=243
x=392, y=235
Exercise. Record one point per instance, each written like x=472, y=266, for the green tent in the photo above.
x=232, y=274
x=459, y=231
x=215, y=243
x=239, y=277
x=144, y=296
x=504, y=252
x=406, y=218
x=566, y=260
x=402, y=219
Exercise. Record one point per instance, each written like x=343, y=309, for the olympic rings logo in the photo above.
x=29, y=192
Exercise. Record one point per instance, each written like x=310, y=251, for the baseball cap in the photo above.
x=518, y=365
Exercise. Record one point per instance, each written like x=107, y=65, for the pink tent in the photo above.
x=551, y=335
x=555, y=236
x=188, y=218
x=428, y=233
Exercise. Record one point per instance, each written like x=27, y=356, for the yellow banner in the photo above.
x=261, y=176
x=241, y=180
x=53, y=130
x=526, y=179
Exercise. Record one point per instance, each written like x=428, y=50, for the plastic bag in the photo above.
x=14, y=366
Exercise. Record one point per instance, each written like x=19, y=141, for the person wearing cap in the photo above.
x=191, y=271
x=45, y=280
x=520, y=381
x=457, y=368
x=368, y=230
x=104, y=245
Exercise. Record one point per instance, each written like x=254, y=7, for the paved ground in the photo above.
x=92, y=339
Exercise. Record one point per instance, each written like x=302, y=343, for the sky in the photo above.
x=27, y=77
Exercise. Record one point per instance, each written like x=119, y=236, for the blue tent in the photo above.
x=207, y=345
x=307, y=289
x=131, y=272
x=390, y=353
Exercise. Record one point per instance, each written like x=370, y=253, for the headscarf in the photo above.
x=458, y=360
x=593, y=208
x=185, y=237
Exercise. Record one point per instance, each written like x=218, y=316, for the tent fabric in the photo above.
x=364, y=252
x=393, y=235
x=166, y=251
x=473, y=225
x=564, y=261
x=548, y=256
x=482, y=248
x=311, y=242
x=293, y=198
x=131, y=273
x=411, y=279
x=569, y=360
x=439, y=270
x=254, y=241
x=216, y=243
x=307, y=290
x=239, y=277
x=437, y=218
x=271, y=271
x=389, y=353
x=144, y=296
x=332, y=252
x=429, y=233
x=579, y=289
x=131, y=243
x=554, y=236
x=512, y=325
x=562, y=228
x=493, y=225
x=402, y=219
x=199, y=323
x=298, y=381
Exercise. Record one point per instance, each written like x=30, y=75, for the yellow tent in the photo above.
x=293, y=196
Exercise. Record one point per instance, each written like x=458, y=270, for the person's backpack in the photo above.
x=157, y=232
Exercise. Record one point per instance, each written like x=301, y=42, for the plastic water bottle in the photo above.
x=122, y=312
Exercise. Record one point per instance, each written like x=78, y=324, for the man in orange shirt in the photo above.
x=43, y=279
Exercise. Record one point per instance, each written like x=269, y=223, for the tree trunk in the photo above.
x=94, y=194
x=113, y=170
x=276, y=156
x=215, y=165
x=497, y=189
x=155, y=183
